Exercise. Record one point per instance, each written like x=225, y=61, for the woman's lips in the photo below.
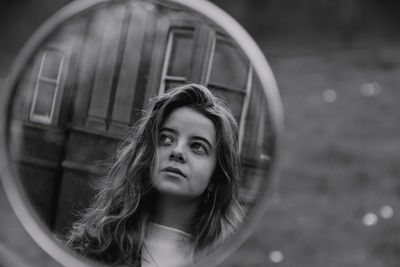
x=174, y=170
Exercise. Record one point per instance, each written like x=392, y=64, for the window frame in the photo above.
x=57, y=82
x=173, y=30
x=246, y=92
x=164, y=25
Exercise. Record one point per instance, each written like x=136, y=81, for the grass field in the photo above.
x=337, y=202
x=339, y=166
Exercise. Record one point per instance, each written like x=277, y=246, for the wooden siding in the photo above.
x=113, y=67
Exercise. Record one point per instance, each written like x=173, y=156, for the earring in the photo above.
x=208, y=194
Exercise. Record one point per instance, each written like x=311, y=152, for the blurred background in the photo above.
x=337, y=63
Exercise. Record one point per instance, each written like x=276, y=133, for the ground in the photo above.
x=337, y=199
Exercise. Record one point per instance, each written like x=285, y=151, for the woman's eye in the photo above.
x=199, y=148
x=165, y=140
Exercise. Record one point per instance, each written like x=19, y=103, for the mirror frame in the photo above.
x=15, y=193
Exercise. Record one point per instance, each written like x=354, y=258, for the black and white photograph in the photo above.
x=167, y=133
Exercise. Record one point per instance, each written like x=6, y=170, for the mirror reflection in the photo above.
x=90, y=83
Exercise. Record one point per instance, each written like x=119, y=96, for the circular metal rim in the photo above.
x=13, y=189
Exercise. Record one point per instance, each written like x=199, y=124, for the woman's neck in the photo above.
x=175, y=212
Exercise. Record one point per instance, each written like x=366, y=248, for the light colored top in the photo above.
x=166, y=247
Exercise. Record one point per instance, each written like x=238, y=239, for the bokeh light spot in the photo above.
x=370, y=219
x=370, y=89
x=386, y=212
x=276, y=256
x=329, y=95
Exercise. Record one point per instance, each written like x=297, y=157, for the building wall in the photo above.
x=93, y=77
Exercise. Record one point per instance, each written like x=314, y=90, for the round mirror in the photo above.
x=85, y=78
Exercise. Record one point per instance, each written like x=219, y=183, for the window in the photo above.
x=258, y=125
x=230, y=76
x=229, y=67
x=178, y=57
x=47, y=87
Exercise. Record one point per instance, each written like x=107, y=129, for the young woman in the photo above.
x=173, y=189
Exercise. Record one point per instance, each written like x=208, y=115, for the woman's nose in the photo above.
x=177, y=155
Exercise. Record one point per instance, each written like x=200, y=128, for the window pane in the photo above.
x=51, y=64
x=229, y=67
x=44, y=99
x=253, y=122
x=258, y=130
x=181, y=53
x=234, y=99
x=172, y=84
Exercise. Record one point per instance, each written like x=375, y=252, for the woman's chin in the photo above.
x=171, y=186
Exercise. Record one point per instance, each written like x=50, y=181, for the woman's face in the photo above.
x=186, y=154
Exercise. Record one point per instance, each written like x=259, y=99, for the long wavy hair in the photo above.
x=114, y=226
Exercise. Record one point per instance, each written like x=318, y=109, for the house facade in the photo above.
x=91, y=81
